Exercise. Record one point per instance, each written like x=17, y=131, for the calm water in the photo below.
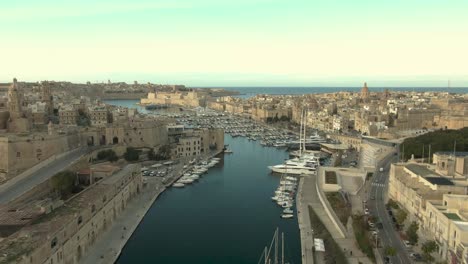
x=227, y=217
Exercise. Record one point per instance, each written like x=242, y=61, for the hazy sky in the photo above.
x=237, y=42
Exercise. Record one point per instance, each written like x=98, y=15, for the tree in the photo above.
x=132, y=154
x=390, y=251
x=401, y=216
x=63, y=183
x=284, y=118
x=428, y=247
x=276, y=119
x=412, y=233
x=108, y=154
x=392, y=204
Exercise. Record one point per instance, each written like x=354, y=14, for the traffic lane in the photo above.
x=42, y=174
x=402, y=255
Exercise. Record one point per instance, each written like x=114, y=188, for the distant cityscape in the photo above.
x=79, y=172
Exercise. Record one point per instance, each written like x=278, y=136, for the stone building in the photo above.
x=68, y=115
x=99, y=115
x=67, y=235
x=192, y=98
x=19, y=120
x=437, y=202
x=365, y=93
x=196, y=142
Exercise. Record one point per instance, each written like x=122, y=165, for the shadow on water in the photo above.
x=226, y=217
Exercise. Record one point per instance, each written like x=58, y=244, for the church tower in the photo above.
x=365, y=92
x=15, y=100
x=47, y=97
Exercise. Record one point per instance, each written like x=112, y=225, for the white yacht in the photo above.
x=178, y=185
x=288, y=211
x=287, y=216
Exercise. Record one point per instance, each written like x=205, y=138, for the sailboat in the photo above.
x=271, y=255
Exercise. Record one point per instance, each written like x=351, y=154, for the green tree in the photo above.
x=284, y=118
x=390, y=251
x=392, y=204
x=63, y=183
x=108, y=154
x=428, y=248
x=412, y=232
x=401, y=216
x=132, y=154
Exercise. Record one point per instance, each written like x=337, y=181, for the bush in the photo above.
x=63, y=183
x=362, y=237
x=412, y=233
x=401, y=216
x=442, y=140
x=132, y=154
x=428, y=247
x=392, y=204
x=108, y=154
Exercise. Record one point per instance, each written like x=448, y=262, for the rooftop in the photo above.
x=453, y=216
x=421, y=170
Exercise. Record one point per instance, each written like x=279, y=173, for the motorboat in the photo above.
x=228, y=151
x=287, y=211
x=178, y=185
x=286, y=216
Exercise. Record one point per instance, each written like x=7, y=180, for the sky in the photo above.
x=237, y=42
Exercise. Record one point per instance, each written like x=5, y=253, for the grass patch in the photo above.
x=333, y=253
x=330, y=177
x=362, y=236
x=339, y=205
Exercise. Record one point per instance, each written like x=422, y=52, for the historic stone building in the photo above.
x=67, y=234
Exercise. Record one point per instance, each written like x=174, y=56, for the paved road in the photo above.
x=12, y=190
x=379, y=187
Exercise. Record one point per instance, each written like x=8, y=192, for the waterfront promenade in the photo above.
x=108, y=246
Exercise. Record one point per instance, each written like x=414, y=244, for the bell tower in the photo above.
x=15, y=100
x=47, y=97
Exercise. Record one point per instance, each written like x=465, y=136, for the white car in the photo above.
x=407, y=244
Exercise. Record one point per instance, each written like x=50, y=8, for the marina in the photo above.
x=213, y=220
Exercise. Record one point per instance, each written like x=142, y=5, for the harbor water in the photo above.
x=226, y=217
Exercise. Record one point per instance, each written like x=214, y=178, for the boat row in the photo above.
x=285, y=194
x=195, y=173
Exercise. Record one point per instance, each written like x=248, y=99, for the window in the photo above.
x=53, y=243
x=93, y=208
x=18, y=154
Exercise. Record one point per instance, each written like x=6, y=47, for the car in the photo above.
x=379, y=225
x=366, y=211
x=372, y=225
x=416, y=256
x=407, y=244
x=387, y=260
x=390, y=212
x=381, y=169
x=375, y=233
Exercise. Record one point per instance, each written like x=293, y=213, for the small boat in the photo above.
x=287, y=210
x=178, y=185
x=287, y=216
x=228, y=151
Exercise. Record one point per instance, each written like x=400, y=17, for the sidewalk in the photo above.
x=109, y=244
x=348, y=243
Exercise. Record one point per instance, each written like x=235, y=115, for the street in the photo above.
x=376, y=205
x=12, y=190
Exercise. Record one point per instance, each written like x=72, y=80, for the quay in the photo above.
x=109, y=245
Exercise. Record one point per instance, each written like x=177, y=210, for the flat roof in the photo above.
x=421, y=170
x=439, y=181
x=453, y=216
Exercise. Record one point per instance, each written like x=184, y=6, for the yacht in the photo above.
x=228, y=151
x=287, y=211
x=287, y=216
x=178, y=185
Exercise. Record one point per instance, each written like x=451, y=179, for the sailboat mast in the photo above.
x=266, y=256
x=305, y=126
x=276, y=247
x=282, y=248
x=300, y=132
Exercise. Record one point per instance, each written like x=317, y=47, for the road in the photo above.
x=376, y=204
x=16, y=187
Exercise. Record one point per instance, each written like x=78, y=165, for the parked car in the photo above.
x=407, y=244
x=366, y=211
x=387, y=260
x=379, y=225
x=416, y=256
